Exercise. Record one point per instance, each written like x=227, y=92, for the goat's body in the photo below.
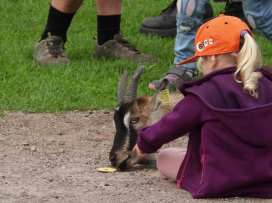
x=143, y=110
x=165, y=109
x=131, y=114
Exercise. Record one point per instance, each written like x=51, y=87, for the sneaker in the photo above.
x=235, y=9
x=121, y=48
x=175, y=75
x=50, y=51
x=165, y=23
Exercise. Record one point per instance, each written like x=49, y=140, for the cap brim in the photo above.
x=189, y=60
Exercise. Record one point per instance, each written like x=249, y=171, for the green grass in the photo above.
x=88, y=83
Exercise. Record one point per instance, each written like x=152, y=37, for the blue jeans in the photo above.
x=257, y=12
x=259, y=15
x=187, y=26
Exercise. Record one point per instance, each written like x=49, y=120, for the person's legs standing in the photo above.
x=259, y=16
x=108, y=19
x=50, y=48
x=60, y=17
x=109, y=42
x=189, y=19
x=169, y=161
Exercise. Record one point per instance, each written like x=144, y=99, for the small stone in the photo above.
x=106, y=184
x=90, y=112
x=25, y=143
x=105, y=111
x=61, y=151
x=2, y=139
x=33, y=148
x=6, y=176
x=150, y=182
x=60, y=132
x=61, y=143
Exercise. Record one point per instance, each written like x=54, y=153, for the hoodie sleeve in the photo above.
x=186, y=115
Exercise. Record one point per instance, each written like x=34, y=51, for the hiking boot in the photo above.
x=165, y=23
x=50, y=51
x=121, y=48
x=175, y=75
x=235, y=9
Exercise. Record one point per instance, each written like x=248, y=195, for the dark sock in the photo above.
x=107, y=27
x=57, y=23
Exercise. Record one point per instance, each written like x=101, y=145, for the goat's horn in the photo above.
x=131, y=94
x=122, y=87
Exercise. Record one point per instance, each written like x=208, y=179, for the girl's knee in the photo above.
x=161, y=159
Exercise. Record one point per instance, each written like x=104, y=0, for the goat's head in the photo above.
x=132, y=114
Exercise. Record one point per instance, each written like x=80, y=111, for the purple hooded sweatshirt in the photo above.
x=230, y=136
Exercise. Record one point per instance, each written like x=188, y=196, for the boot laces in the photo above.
x=128, y=45
x=55, y=47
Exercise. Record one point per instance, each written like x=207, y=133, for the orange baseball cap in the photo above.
x=218, y=36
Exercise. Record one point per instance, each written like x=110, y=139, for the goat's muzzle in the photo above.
x=124, y=160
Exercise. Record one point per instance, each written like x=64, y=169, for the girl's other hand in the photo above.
x=139, y=152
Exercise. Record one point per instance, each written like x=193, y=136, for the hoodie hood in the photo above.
x=247, y=117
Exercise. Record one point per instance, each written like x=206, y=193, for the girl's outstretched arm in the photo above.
x=187, y=114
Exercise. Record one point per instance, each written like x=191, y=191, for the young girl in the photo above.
x=228, y=114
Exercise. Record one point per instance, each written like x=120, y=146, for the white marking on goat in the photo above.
x=117, y=108
x=113, y=122
x=126, y=123
x=127, y=120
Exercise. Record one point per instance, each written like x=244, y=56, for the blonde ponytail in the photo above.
x=247, y=60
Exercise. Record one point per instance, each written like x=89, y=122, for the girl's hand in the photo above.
x=139, y=152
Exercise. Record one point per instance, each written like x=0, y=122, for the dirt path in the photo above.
x=53, y=158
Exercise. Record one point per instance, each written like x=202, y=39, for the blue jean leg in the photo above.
x=188, y=21
x=259, y=16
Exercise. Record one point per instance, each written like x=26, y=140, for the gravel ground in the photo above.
x=54, y=158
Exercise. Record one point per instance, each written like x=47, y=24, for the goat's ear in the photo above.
x=157, y=98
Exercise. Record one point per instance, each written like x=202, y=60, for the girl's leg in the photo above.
x=169, y=161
